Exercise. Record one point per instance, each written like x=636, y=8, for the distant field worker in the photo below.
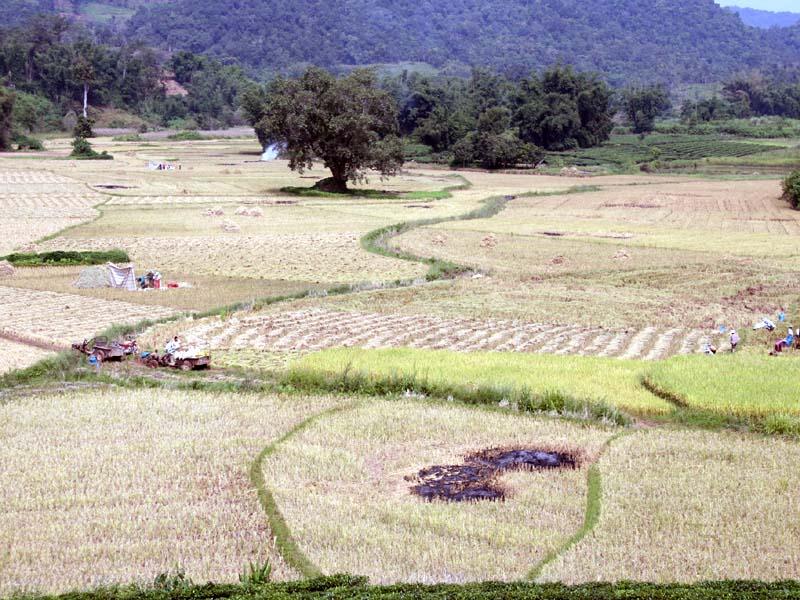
x=734, y=340
x=786, y=342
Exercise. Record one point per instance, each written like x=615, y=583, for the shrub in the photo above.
x=336, y=587
x=82, y=150
x=24, y=142
x=186, y=136
x=71, y=258
x=128, y=137
x=83, y=128
x=791, y=189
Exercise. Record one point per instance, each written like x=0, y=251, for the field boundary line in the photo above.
x=97, y=207
x=594, y=506
x=678, y=401
x=376, y=241
x=285, y=543
x=26, y=341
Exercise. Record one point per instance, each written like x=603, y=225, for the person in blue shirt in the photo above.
x=786, y=342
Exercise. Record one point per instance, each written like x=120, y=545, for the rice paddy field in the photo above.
x=445, y=377
x=19, y=356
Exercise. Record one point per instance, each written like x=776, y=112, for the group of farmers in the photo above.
x=786, y=343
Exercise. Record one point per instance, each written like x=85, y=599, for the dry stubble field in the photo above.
x=122, y=485
x=111, y=487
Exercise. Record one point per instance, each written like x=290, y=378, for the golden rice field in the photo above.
x=38, y=203
x=598, y=288
x=61, y=319
x=352, y=467
x=18, y=356
x=117, y=486
x=692, y=506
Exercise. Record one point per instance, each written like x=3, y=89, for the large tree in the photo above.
x=643, y=104
x=347, y=123
x=6, y=109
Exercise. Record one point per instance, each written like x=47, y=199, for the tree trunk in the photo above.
x=337, y=183
x=85, y=100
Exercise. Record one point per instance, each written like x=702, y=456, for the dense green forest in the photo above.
x=49, y=60
x=626, y=40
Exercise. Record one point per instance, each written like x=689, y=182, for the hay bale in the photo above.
x=93, y=278
x=229, y=226
x=490, y=241
x=6, y=269
x=245, y=211
x=216, y=211
x=622, y=254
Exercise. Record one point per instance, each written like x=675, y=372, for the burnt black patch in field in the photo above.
x=116, y=187
x=477, y=479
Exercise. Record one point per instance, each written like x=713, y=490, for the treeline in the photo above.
x=491, y=121
x=49, y=62
x=486, y=120
x=753, y=95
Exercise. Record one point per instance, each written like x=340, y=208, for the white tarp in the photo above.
x=122, y=277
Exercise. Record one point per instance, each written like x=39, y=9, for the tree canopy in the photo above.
x=348, y=123
x=643, y=104
x=630, y=41
x=6, y=111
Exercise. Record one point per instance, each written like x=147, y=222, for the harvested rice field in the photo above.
x=116, y=486
x=358, y=467
x=61, y=319
x=19, y=356
x=320, y=329
x=36, y=203
x=444, y=377
x=691, y=506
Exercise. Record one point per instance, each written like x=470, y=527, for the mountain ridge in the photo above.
x=627, y=41
x=765, y=19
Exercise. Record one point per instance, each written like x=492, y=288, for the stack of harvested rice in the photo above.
x=6, y=269
x=230, y=227
x=93, y=278
x=490, y=241
x=214, y=212
x=244, y=211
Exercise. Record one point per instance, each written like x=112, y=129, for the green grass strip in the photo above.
x=313, y=192
x=377, y=241
x=594, y=504
x=520, y=398
x=284, y=541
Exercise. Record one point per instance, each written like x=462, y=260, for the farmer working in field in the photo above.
x=786, y=342
x=172, y=346
x=734, y=340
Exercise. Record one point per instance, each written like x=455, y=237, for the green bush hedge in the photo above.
x=68, y=258
x=791, y=189
x=343, y=586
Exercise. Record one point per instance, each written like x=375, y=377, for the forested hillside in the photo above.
x=626, y=40
x=764, y=18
